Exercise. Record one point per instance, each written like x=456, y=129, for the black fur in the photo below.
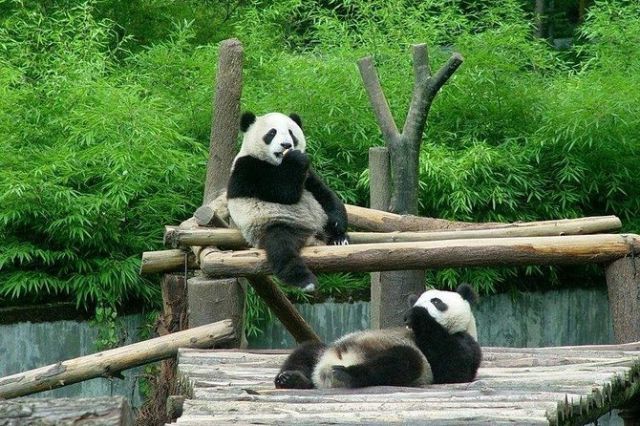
x=467, y=293
x=297, y=369
x=246, y=120
x=396, y=366
x=336, y=226
x=295, y=117
x=268, y=137
x=293, y=138
x=454, y=358
x=282, y=244
x=277, y=184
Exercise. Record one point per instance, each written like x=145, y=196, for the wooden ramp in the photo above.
x=567, y=385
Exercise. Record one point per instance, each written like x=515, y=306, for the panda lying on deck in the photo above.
x=277, y=201
x=439, y=345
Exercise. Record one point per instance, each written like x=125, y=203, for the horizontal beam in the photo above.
x=232, y=239
x=167, y=261
x=110, y=363
x=379, y=221
x=435, y=254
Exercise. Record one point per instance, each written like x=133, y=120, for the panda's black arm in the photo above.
x=332, y=205
x=255, y=178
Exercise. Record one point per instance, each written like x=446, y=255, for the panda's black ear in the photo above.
x=247, y=119
x=412, y=299
x=295, y=117
x=467, y=292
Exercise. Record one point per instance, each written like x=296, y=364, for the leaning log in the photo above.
x=110, y=363
x=379, y=221
x=105, y=411
x=577, y=249
x=232, y=239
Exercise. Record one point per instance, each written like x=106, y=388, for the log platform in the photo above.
x=540, y=386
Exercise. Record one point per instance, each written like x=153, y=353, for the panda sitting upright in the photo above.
x=277, y=201
x=439, y=345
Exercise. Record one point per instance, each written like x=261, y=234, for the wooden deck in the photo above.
x=569, y=385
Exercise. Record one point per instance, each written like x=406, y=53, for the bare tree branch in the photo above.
x=378, y=101
x=421, y=66
x=444, y=73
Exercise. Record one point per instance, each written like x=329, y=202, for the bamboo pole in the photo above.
x=577, y=249
x=232, y=239
x=167, y=261
x=110, y=363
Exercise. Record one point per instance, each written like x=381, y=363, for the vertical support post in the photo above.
x=389, y=290
x=214, y=300
x=623, y=284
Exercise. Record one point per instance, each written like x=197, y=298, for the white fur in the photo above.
x=252, y=216
x=354, y=348
x=458, y=317
x=253, y=144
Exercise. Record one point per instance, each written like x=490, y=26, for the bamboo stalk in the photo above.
x=435, y=254
x=166, y=261
x=110, y=363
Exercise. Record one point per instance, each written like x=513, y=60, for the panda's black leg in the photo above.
x=298, y=367
x=396, y=366
x=282, y=244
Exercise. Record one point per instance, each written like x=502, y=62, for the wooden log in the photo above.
x=623, y=284
x=226, y=117
x=282, y=307
x=111, y=362
x=379, y=221
x=167, y=261
x=389, y=289
x=108, y=411
x=435, y=254
x=232, y=238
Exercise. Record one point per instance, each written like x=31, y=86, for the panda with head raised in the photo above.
x=277, y=201
x=438, y=345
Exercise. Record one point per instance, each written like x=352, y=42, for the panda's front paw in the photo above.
x=340, y=377
x=418, y=319
x=299, y=158
x=338, y=240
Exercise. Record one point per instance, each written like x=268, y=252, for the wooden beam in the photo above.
x=167, y=261
x=379, y=221
x=232, y=238
x=578, y=249
x=110, y=363
x=105, y=411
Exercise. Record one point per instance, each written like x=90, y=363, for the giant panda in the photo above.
x=438, y=345
x=277, y=201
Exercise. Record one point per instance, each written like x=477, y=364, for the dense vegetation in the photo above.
x=105, y=114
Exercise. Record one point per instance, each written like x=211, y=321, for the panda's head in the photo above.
x=268, y=136
x=451, y=309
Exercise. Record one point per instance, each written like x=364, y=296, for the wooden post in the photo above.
x=623, y=284
x=224, y=134
x=389, y=290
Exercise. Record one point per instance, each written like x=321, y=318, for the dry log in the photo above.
x=110, y=363
x=436, y=254
x=167, y=261
x=232, y=239
x=107, y=411
x=379, y=221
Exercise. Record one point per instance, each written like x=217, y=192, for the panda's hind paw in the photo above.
x=341, y=377
x=292, y=379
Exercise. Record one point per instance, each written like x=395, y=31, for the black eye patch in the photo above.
x=439, y=304
x=268, y=137
x=295, y=140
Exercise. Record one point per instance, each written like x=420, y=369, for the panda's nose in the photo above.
x=286, y=145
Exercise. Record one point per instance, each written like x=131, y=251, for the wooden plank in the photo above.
x=108, y=411
x=434, y=254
